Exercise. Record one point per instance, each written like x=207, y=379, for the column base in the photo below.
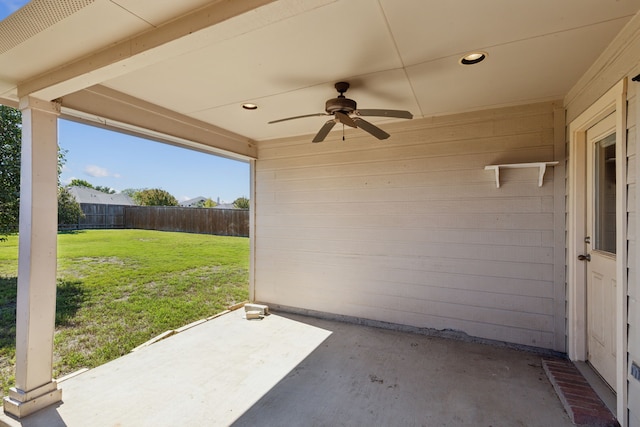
x=21, y=403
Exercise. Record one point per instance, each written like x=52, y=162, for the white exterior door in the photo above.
x=601, y=248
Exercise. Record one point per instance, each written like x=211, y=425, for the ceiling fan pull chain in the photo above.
x=343, y=131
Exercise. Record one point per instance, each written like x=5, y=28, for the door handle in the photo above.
x=586, y=257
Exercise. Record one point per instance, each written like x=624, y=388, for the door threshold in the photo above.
x=602, y=389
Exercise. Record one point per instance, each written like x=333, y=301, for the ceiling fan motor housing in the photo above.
x=344, y=105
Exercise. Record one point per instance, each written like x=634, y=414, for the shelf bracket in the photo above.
x=542, y=168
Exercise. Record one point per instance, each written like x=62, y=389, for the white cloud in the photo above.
x=96, y=171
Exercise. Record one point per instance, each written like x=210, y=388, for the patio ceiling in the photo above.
x=198, y=66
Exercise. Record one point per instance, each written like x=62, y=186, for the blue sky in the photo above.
x=7, y=7
x=121, y=161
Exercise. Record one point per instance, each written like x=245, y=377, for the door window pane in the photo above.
x=605, y=194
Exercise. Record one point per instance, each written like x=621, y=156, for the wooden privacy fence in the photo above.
x=222, y=222
x=98, y=216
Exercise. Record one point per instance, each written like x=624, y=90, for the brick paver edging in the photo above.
x=582, y=404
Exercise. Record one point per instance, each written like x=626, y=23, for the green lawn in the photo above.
x=119, y=288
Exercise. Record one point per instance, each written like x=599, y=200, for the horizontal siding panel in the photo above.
x=480, y=205
x=631, y=107
x=539, y=305
x=321, y=170
x=422, y=319
x=515, y=270
x=524, y=336
x=525, y=118
x=422, y=144
x=416, y=163
x=453, y=191
x=634, y=348
x=540, y=111
x=470, y=298
x=378, y=177
x=413, y=235
x=413, y=230
x=490, y=316
x=540, y=221
x=538, y=255
x=321, y=294
x=317, y=274
x=633, y=297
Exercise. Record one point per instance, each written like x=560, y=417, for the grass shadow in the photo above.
x=8, y=298
x=69, y=298
x=71, y=231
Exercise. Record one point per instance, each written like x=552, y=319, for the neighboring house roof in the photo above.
x=225, y=206
x=193, y=202
x=88, y=195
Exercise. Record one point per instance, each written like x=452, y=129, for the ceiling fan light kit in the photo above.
x=345, y=111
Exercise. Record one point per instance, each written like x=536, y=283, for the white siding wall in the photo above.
x=633, y=288
x=621, y=59
x=413, y=230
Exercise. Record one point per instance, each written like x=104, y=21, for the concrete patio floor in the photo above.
x=292, y=370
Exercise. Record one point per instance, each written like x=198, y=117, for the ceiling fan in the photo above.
x=345, y=111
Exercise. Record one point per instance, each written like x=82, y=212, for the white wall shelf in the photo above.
x=542, y=168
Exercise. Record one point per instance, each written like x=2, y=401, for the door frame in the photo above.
x=612, y=101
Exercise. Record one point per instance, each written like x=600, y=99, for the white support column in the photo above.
x=35, y=387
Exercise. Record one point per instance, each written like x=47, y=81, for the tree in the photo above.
x=206, y=203
x=10, y=144
x=155, y=197
x=75, y=182
x=62, y=159
x=132, y=191
x=104, y=189
x=69, y=211
x=209, y=203
x=241, y=203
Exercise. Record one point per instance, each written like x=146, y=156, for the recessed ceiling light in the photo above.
x=249, y=106
x=473, y=58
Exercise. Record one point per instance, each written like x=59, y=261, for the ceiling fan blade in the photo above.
x=345, y=119
x=400, y=114
x=368, y=127
x=324, y=131
x=298, y=117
